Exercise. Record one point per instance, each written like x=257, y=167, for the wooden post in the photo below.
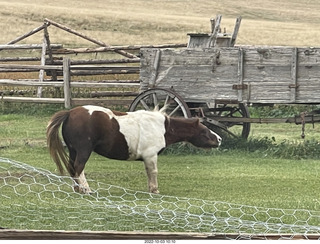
x=240, y=74
x=294, y=70
x=46, y=36
x=235, y=32
x=66, y=83
x=155, y=68
x=213, y=24
x=213, y=37
x=42, y=62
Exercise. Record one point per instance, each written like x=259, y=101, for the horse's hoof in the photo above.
x=86, y=191
x=155, y=191
x=83, y=190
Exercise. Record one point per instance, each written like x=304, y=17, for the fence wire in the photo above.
x=36, y=199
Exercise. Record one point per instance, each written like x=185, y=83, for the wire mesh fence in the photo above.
x=36, y=199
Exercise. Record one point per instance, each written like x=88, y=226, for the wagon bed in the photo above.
x=263, y=75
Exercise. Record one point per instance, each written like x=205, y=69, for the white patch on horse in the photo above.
x=92, y=108
x=83, y=184
x=144, y=132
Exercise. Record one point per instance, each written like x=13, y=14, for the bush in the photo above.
x=263, y=147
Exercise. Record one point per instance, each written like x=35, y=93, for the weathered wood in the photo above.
x=11, y=234
x=296, y=120
x=104, y=85
x=66, y=83
x=103, y=72
x=22, y=59
x=29, y=67
x=240, y=74
x=113, y=94
x=101, y=102
x=31, y=99
x=42, y=63
x=245, y=74
x=49, y=48
x=20, y=38
x=213, y=37
x=100, y=43
x=26, y=46
x=101, y=67
x=101, y=61
x=85, y=84
x=235, y=31
x=30, y=82
x=113, y=48
x=294, y=69
x=109, y=81
x=155, y=68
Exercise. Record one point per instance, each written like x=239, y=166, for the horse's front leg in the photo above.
x=152, y=172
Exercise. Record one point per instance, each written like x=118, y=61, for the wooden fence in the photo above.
x=57, y=70
x=67, y=70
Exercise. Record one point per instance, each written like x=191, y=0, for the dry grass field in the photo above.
x=265, y=22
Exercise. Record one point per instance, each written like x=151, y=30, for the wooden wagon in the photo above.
x=215, y=80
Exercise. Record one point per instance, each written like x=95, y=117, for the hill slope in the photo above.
x=265, y=22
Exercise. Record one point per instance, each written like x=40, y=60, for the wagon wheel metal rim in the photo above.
x=157, y=98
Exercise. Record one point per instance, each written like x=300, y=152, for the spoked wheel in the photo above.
x=158, y=98
x=230, y=117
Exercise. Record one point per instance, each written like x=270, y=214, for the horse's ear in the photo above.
x=200, y=120
x=197, y=121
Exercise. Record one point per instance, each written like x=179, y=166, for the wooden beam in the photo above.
x=42, y=63
x=240, y=73
x=31, y=99
x=100, y=43
x=66, y=83
x=27, y=34
x=29, y=67
x=26, y=46
x=18, y=59
x=9, y=234
x=104, y=85
x=235, y=32
x=213, y=37
x=294, y=71
x=113, y=48
x=32, y=82
x=101, y=102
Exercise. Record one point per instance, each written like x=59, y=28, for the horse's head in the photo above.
x=204, y=137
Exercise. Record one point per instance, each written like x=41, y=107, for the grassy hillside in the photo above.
x=266, y=22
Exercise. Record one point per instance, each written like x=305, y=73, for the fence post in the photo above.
x=66, y=83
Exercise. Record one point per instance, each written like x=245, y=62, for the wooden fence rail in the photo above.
x=67, y=70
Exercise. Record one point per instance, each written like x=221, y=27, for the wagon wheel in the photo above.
x=159, y=98
x=226, y=111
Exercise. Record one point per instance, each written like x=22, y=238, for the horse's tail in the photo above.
x=56, y=149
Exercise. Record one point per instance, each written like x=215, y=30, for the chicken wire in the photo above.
x=36, y=199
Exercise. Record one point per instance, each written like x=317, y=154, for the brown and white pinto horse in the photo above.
x=139, y=135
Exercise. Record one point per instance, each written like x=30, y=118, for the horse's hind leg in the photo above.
x=79, y=177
